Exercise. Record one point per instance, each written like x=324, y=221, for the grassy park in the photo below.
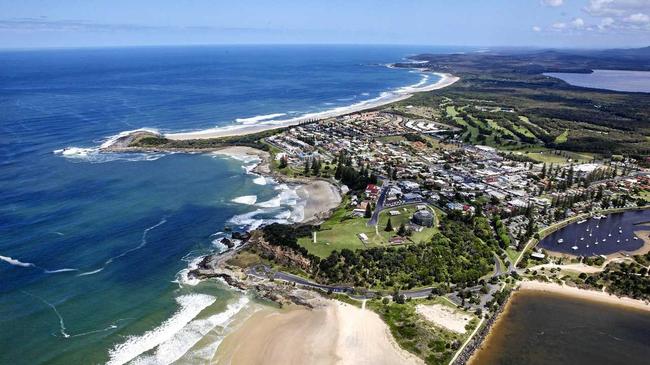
x=341, y=230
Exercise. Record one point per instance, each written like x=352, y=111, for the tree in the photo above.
x=315, y=166
x=307, y=166
x=368, y=212
x=284, y=162
x=389, y=226
x=401, y=231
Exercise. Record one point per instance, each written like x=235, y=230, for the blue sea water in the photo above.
x=93, y=247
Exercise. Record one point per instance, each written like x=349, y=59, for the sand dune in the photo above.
x=445, y=317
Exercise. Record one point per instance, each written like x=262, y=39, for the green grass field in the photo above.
x=341, y=231
x=562, y=137
x=451, y=110
x=548, y=156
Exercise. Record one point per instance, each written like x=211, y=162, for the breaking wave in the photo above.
x=259, y=118
x=187, y=337
x=96, y=155
x=246, y=199
x=190, y=307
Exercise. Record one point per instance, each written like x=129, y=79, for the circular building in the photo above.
x=423, y=218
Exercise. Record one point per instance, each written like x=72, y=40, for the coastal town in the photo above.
x=400, y=177
x=419, y=161
x=325, y=183
x=411, y=181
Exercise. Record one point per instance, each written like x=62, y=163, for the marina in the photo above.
x=600, y=235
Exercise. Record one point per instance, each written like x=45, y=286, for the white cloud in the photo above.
x=537, y=29
x=558, y=25
x=616, y=8
x=607, y=15
x=638, y=18
x=606, y=23
x=553, y=3
x=578, y=23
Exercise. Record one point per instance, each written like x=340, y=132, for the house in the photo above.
x=372, y=191
x=538, y=255
x=360, y=210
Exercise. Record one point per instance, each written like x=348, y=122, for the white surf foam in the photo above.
x=246, y=199
x=143, y=242
x=62, y=328
x=111, y=139
x=248, y=220
x=284, y=215
x=271, y=203
x=183, y=341
x=190, y=307
x=16, y=262
x=261, y=180
x=94, y=154
x=60, y=270
x=386, y=97
x=93, y=272
x=259, y=118
x=183, y=278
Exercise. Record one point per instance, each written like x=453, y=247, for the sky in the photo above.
x=536, y=23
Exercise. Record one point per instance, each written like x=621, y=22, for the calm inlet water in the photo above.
x=93, y=247
x=599, y=236
x=617, y=80
x=543, y=328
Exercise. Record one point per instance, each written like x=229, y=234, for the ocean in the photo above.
x=94, y=248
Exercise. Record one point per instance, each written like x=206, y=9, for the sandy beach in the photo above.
x=321, y=197
x=242, y=129
x=585, y=294
x=335, y=333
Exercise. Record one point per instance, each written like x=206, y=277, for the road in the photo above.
x=264, y=272
x=380, y=204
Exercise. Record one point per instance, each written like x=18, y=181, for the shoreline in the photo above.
x=331, y=333
x=591, y=295
x=319, y=197
x=403, y=93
